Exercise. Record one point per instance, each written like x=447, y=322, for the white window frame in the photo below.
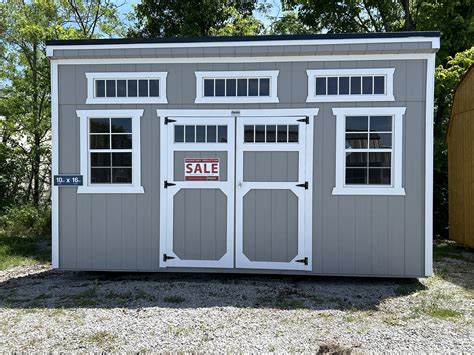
x=387, y=72
x=135, y=186
x=396, y=187
x=257, y=74
x=91, y=77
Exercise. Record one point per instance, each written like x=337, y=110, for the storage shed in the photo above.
x=460, y=140
x=307, y=154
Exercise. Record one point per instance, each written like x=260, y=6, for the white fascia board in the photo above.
x=304, y=42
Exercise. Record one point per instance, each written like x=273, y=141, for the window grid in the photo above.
x=271, y=133
x=351, y=89
x=262, y=89
x=200, y=133
x=368, y=151
x=101, y=88
x=110, y=154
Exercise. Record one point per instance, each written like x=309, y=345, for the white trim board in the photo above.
x=435, y=43
x=54, y=166
x=254, y=59
x=135, y=186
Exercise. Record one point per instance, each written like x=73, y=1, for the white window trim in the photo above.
x=161, y=76
x=387, y=72
x=135, y=186
x=201, y=75
x=396, y=187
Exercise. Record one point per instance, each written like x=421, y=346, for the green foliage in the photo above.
x=168, y=18
x=23, y=251
x=26, y=220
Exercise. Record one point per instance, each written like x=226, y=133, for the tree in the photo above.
x=25, y=80
x=166, y=18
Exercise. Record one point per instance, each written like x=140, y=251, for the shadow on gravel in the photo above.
x=58, y=290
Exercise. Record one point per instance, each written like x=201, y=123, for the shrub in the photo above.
x=26, y=220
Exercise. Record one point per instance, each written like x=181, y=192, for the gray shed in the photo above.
x=307, y=154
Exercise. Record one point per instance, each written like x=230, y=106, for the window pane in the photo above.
x=222, y=134
x=121, y=88
x=121, y=141
x=121, y=125
x=259, y=134
x=143, y=88
x=355, y=85
x=320, y=86
x=381, y=140
x=344, y=85
x=121, y=159
x=100, y=175
x=380, y=159
x=201, y=134
x=356, y=159
x=208, y=87
x=100, y=159
x=379, y=176
x=379, y=85
x=253, y=87
x=241, y=87
x=271, y=133
x=367, y=85
x=211, y=134
x=248, y=133
x=179, y=134
x=356, y=140
x=231, y=87
x=99, y=141
x=110, y=88
x=220, y=87
x=357, y=123
x=380, y=123
x=282, y=133
x=356, y=176
x=121, y=175
x=190, y=134
x=99, y=125
x=293, y=133
x=100, y=88
x=265, y=87
x=154, y=88
x=332, y=86
x=132, y=88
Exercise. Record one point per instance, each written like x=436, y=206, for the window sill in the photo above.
x=349, y=98
x=368, y=191
x=236, y=100
x=110, y=190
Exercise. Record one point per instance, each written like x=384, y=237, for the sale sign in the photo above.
x=198, y=169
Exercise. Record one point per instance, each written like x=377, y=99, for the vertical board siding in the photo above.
x=461, y=163
x=353, y=235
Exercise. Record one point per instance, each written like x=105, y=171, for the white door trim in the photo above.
x=304, y=196
x=167, y=194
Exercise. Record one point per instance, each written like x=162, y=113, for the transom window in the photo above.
x=271, y=133
x=126, y=87
x=236, y=86
x=200, y=134
x=333, y=85
x=369, y=151
x=110, y=151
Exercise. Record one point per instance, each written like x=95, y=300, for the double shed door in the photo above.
x=256, y=213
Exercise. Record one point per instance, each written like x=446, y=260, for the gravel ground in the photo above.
x=44, y=310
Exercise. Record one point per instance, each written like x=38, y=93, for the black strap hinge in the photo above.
x=305, y=120
x=304, y=260
x=167, y=257
x=168, y=184
x=169, y=120
x=305, y=185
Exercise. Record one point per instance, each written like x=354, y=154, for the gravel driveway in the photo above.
x=44, y=310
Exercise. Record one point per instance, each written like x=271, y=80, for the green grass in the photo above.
x=87, y=297
x=16, y=251
x=440, y=313
x=174, y=299
x=445, y=249
x=102, y=339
